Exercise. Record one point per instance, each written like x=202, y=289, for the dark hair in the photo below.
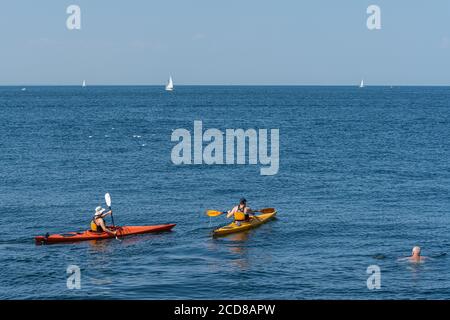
x=243, y=201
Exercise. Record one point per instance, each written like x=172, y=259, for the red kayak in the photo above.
x=92, y=235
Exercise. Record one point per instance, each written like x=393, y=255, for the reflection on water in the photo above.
x=105, y=245
x=238, y=244
x=238, y=237
x=243, y=253
x=416, y=269
x=100, y=246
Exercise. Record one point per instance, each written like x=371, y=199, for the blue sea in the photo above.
x=364, y=176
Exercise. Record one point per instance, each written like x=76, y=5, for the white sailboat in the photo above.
x=362, y=84
x=169, y=85
x=84, y=83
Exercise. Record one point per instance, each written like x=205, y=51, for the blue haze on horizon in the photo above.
x=322, y=42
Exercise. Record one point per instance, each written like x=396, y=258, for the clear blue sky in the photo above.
x=225, y=42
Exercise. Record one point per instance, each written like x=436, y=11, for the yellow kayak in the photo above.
x=253, y=223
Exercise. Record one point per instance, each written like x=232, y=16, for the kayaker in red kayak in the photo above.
x=98, y=222
x=99, y=231
x=240, y=212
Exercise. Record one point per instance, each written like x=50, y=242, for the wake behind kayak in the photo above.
x=93, y=235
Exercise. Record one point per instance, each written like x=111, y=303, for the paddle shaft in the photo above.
x=112, y=217
x=215, y=213
x=108, y=203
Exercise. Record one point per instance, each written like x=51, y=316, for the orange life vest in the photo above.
x=239, y=215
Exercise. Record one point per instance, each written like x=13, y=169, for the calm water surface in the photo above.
x=364, y=176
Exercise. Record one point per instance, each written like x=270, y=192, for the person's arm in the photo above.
x=106, y=213
x=102, y=224
x=231, y=212
x=248, y=210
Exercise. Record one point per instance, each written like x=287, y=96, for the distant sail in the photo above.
x=84, y=83
x=362, y=84
x=169, y=85
x=24, y=89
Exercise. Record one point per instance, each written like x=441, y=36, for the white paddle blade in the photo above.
x=108, y=199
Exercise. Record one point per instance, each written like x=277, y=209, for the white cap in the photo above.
x=416, y=249
x=99, y=210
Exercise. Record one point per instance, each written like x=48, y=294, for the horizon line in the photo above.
x=226, y=85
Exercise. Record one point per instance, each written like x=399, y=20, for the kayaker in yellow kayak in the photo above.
x=240, y=212
x=98, y=222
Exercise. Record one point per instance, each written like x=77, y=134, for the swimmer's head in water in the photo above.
x=416, y=250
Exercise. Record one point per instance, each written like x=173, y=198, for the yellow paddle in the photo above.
x=266, y=210
x=215, y=213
